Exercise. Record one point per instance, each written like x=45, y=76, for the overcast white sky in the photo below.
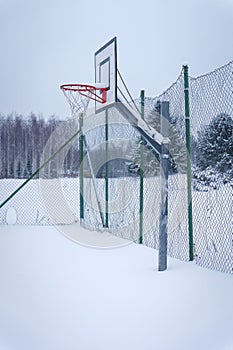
x=46, y=43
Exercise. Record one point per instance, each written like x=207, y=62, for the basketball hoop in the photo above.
x=79, y=96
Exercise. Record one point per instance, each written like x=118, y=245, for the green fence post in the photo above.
x=189, y=173
x=81, y=156
x=142, y=98
x=106, y=169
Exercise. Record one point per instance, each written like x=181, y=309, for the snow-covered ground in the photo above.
x=36, y=203
x=57, y=294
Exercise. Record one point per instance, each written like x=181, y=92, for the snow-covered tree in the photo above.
x=177, y=149
x=214, y=153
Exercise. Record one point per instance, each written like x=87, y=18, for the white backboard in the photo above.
x=106, y=71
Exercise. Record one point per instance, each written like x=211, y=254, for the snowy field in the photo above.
x=57, y=294
x=37, y=202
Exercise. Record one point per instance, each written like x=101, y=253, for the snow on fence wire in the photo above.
x=24, y=183
x=124, y=152
x=211, y=118
x=211, y=108
x=53, y=195
x=178, y=231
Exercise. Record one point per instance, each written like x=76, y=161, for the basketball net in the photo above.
x=79, y=96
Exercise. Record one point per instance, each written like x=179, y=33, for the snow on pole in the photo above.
x=142, y=97
x=81, y=179
x=164, y=161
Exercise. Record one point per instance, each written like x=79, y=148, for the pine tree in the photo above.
x=214, y=157
x=177, y=161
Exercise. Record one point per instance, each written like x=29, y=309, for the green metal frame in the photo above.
x=106, y=169
x=189, y=172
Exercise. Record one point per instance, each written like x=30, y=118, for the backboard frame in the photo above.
x=105, y=60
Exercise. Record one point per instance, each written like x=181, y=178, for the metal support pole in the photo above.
x=142, y=97
x=81, y=157
x=106, y=169
x=164, y=164
x=189, y=172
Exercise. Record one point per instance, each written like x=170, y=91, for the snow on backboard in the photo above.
x=106, y=71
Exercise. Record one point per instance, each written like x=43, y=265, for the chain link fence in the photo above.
x=124, y=183
x=113, y=190
x=178, y=236
x=211, y=109
x=53, y=177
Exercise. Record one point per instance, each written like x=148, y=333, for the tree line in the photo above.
x=22, y=141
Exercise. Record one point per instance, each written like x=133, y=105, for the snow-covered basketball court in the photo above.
x=57, y=294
